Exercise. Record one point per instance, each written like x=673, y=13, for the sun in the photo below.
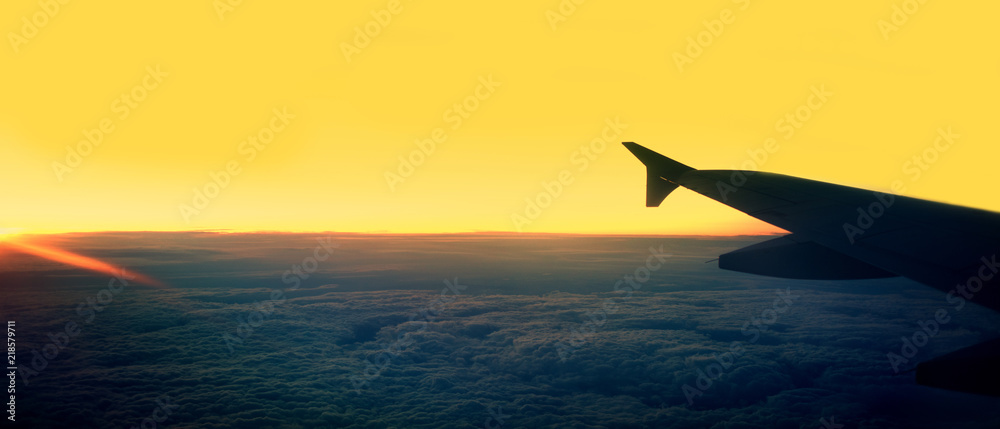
x=7, y=234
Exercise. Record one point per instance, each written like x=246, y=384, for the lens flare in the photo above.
x=70, y=258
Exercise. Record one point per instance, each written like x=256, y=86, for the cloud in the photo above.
x=495, y=345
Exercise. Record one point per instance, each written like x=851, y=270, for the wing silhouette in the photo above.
x=841, y=233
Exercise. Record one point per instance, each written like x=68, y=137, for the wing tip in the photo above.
x=661, y=173
x=669, y=168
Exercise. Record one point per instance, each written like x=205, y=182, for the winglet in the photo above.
x=661, y=172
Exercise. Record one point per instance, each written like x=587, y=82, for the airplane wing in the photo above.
x=839, y=233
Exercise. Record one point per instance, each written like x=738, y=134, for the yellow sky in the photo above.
x=180, y=88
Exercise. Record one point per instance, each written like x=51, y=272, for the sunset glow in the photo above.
x=79, y=261
x=274, y=117
x=436, y=214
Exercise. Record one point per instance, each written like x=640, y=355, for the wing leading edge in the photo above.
x=840, y=232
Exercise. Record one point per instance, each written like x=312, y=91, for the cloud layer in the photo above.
x=373, y=337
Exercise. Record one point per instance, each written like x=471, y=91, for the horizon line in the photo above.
x=386, y=233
